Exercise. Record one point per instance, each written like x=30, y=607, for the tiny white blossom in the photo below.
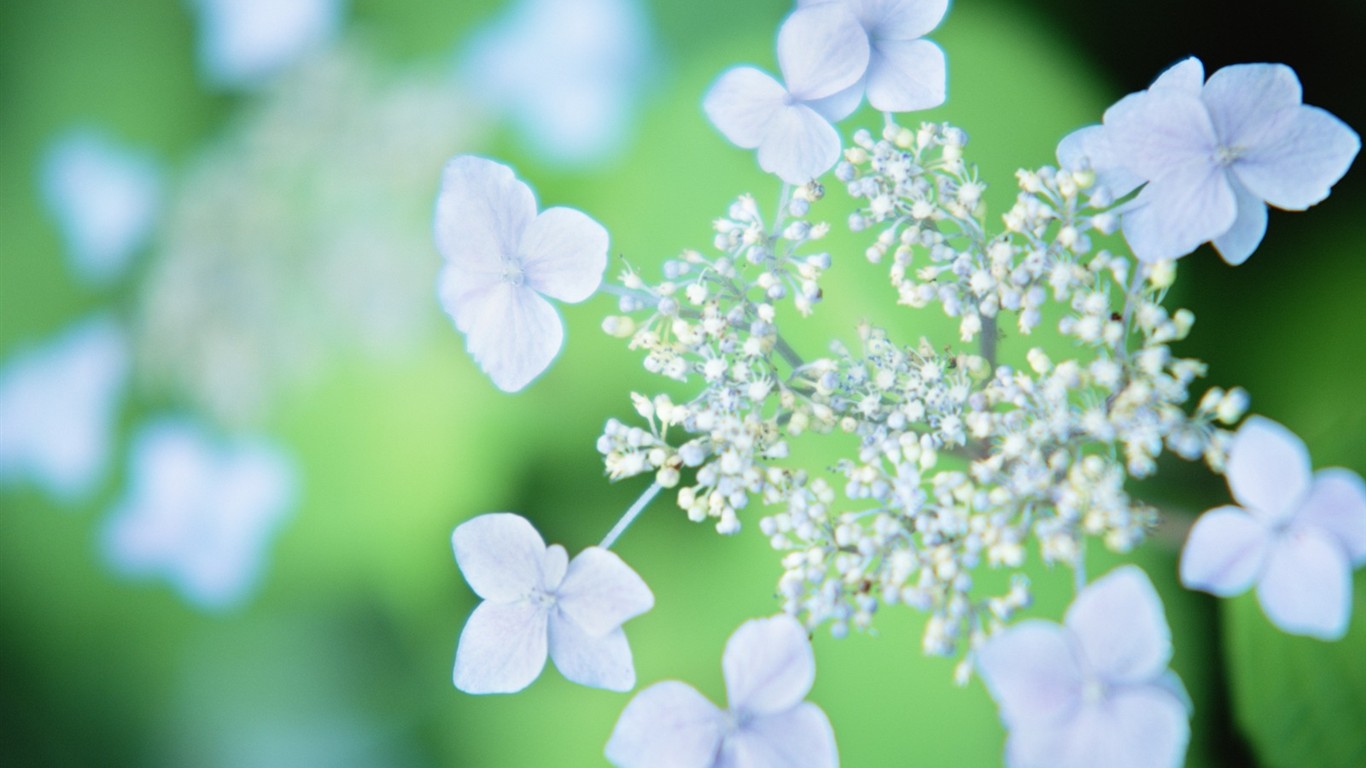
x=1095, y=690
x=1296, y=535
x=243, y=42
x=769, y=668
x=502, y=259
x=535, y=598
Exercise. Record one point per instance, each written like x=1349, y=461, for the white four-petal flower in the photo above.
x=1095, y=690
x=1214, y=153
x=536, y=597
x=769, y=668
x=822, y=50
x=502, y=259
x=1296, y=536
x=243, y=42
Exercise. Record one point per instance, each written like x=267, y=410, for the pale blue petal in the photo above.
x=1140, y=727
x=513, y=334
x=842, y=104
x=906, y=75
x=563, y=254
x=1294, y=162
x=1174, y=214
x=502, y=648
x=899, y=19
x=1119, y=623
x=742, y=104
x=1157, y=132
x=799, y=146
x=1337, y=504
x=458, y=290
x=768, y=665
x=1245, y=235
x=800, y=737
x=500, y=555
x=668, y=725
x=1088, y=148
x=1186, y=76
x=1268, y=469
x=1225, y=552
x=1306, y=588
x=242, y=42
x=601, y=592
x=1032, y=671
x=554, y=565
x=1244, y=99
x=822, y=49
x=482, y=211
x=597, y=661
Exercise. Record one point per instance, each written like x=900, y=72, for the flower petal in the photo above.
x=906, y=74
x=1294, y=162
x=500, y=555
x=1134, y=728
x=1306, y=588
x=1032, y=672
x=502, y=648
x=1225, y=552
x=1248, y=228
x=1244, y=98
x=1119, y=622
x=1268, y=469
x=821, y=49
x=843, y=103
x=1337, y=504
x=1087, y=147
x=563, y=254
x=597, y=661
x=899, y=19
x=768, y=665
x=1156, y=132
x=667, y=724
x=481, y=212
x=1186, y=76
x=1174, y=214
x=800, y=737
x=601, y=592
x=799, y=146
x=742, y=103
x=513, y=334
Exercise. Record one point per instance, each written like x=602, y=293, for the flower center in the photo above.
x=1093, y=691
x=512, y=272
x=542, y=599
x=1226, y=156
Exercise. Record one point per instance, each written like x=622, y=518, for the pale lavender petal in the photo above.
x=822, y=49
x=1032, y=671
x=842, y=104
x=1119, y=623
x=1294, y=162
x=768, y=665
x=1186, y=76
x=1245, y=235
x=1337, y=504
x=502, y=648
x=1174, y=214
x=513, y=334
x=742, y=104
x=799, y=146
x=459, y=289
x=1140, y=727
x=1244, y=98
x=899, y=19
x=1268, y=469
x=800, y=737
x=1157, y=132
x=554, y=565
x=904, y=75
x=668, y=725
x=601, y=592
x=597, y=661
x=1225, y=552
x=1088, y=148
x=1306, y=588
x=563, y=254
x=482, y=210
x=500, y=555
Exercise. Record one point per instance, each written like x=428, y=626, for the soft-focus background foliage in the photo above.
x=343, y=654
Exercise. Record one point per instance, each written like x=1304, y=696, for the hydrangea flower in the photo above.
x=904, y=72
x=1296, y=535
x=535, y=597
x=568, y=72
x=199, y=513
x=502, y=259
x=769, y=668
x=822, y=50
x=242, y=42
x=104, y=197
x=58, y=404
x=1095, y=690
x=1212, y=154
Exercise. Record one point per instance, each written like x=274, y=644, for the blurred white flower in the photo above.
x=569, y=73
x=199, y=513
x=105, y=199
x=243, y=42
x=58, y=404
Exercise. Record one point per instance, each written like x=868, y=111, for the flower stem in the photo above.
x=631, y=515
